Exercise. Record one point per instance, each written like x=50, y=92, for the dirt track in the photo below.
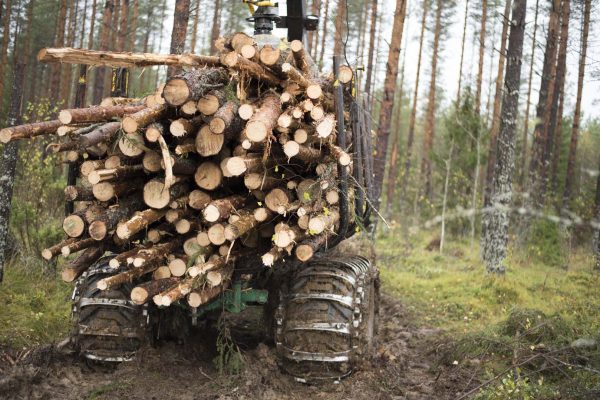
x=401, y=369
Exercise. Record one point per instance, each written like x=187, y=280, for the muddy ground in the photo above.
x=404, y=367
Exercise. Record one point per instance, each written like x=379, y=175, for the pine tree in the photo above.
x=180, y=23
x=216, y=28
x=462, y=53
x=340, y=23
x=570, y=175
x=497, y=221
x=4, y=48
x=389, y=90
x=195, y=28
x=373, y=30
x=482, y=35
x=525, y=148
x=105, y=29
x=426, y=169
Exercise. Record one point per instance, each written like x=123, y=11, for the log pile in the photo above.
x=236, y=156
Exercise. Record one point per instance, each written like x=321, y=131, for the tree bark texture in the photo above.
x=182, y=16
x=104, y=41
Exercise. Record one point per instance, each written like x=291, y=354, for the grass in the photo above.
x=534, y=312
x=35, y=304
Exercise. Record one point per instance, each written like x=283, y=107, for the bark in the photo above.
x=104, y=43
x=497, y=100
x=413, y=113
x=195, y=28
x=142, y=293
x=96, y=114
x=556, y=112
x=426, y=170
x=4, y=46
x=373, y=28
x=29, y=130
x=122, y=33
x=180, y=23
x=538, y=167
x=597, y=201
x=216, y=27
x=497, y=220
x=59, y=41
x=132, y=122
x=249, y=68
x=81, y=264
x=193, y=85
x=482, y=34
x=134, y=25
x=462, y=52
x=570, y=175
x=325, y=20
x=8, y=162
x=340, y=23
x=525, y=149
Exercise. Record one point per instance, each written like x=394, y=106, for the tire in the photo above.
x=327, y=318
x=107, y=326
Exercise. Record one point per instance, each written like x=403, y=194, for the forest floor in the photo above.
x=446, y=331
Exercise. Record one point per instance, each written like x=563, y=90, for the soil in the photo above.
x=403, y=367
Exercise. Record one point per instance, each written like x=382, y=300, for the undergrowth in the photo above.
x=531, y=334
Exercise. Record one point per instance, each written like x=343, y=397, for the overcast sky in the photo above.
x=450, y=62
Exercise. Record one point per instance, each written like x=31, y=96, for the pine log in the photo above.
x=121, y=259
x=29, y=130
x=313, y=89
x=308, y=191
x=200, y=297
x=106, y=222
x=208, y=176
x=74, y=225
x=326, y=126
x=264, y=120
x=156, y=234
x=324, y=221
x=246, y=67
x=55, y=250
x=154, y=131
x=246, y=111
x=138, y=222
x=81, y=264
x=76, y=193
x=272, y=256
x=203, y=240
x=340, y=155
x=183, y=127
x=174, y=293
x=303, y=60
x=198, y=199
x=142, y=293
x=126, y=276
x=189, y=109
x=173, y=216
x=236, y=166
x=258, y=181
x=345, y=74
x=186, y=148
x=307, y=249
x=317, y=113
x=250, y=52
x=121, y=173
x=106, y=191
x=181, y=166
x=158, y=196
x=211, y=265
x=221, y=209
x=193, y=85
x=180, y=203
x=306, y=154
x=96, y=113
x=132, y=144
x=210, y=103
x=226, y=120
x=287, y=235
x=79, y=245
x=184, y=226
x=207, y=143
x=161, y=272
x=123, y=60
x=216, y=234
x=156, y=253
x=278, y=200
x=103, y=133
x=131, y=123
x=239, y=40
x=178, y=266
x=152, y=161
x=117, y=101
x=263, y=214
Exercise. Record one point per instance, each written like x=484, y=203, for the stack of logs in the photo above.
x=235, y=157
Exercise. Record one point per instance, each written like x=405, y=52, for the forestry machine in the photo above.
x=321, y=315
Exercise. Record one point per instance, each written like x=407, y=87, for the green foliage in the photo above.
x=509, y=388
x=546, y=243
x=229, y=359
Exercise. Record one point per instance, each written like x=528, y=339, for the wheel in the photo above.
x=327, y=318
x=107, y=326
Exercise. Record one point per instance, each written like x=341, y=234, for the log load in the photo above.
x=238, y=155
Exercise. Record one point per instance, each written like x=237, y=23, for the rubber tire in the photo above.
x=106, y=332
x=327, y=318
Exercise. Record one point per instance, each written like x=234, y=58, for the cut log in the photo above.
x=104, y=133
x=178, y=266
x=120, y=260
x=345, y=74
x=317, y=113
x=250, y=52
x=207, y=143
x=156, y=253
x=132, y=144
x=186, y=148
x=106, y=191
x=263, y=214
x=208, y=176
x=324, y=221
x=236, y=166
x=216, y=234
x=127, y=276
x=303, y=60
x=183, y=127
x=307, y=249
x=239, y=40
x=157, y=196
x=76, y=193
x=306, y=154
x=123, y=60
x=272, y=256
x=138, y=222
x=278, y=200
x=175, y=293
x=81, y=264
x=74, y=225
x=121, y=173
x=246, y=111
x=79, y=245
x=209, y=104
x=313, y=89
x=244, y=224
x=152, y=161
x=193, y=85
x=154, y=131
x=249, y=68
x=203, y=239
x=131, y=123
x=340, y=155
x=221, y=209
x=288, y=235
x=264, y=120
x=29, y=130
x=55, y=250
x=200, y=297
x=96, y=113
x=184, y=226
x=189, y=108
x=257, y=181
x=146, y=291
x=226, y=120
x=326, y=126
x=161, y=272
x=308, y=191
x=106, y=222
x=198, y=199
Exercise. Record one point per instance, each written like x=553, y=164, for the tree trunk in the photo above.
x=58, y=42
x=389, y=90
x=195, y=28
x=538, y=167
x=497, y=220
x=597, y=201
x=373, y=28
x=525, y=149
x=482, y=34
x=182, y=16
x=462, y=52
x=66, y=73
x=497, y=99
x=134, y=25
x=122, y=33
x=570, y=175
x=413, y=112
x=430, y=116
x=313, y=36
x=324, y=36
x=340, y=23
x=104, y=41
x=216, y=27
x=4, y=48
x=8, y=162
x=554, y=127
